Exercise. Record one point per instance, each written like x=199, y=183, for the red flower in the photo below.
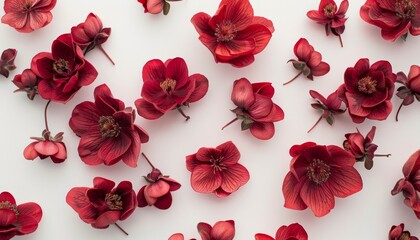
x=329, y=106
x=216, y=170
x=317, y=174
x=293, y=231
x=411, y=88
x=331, y=17
x=7, y=61
x=27, y=16
x=16, y=219
x=367, y=90
x=178, y=236
x=221, y=230
x=309, y=61
x=103, y=204
x=410, y=184
x=63, y=71
x=27, y=82
x=107, y=130
x=156, y=6
x=233, y=35
x=47, y=146
x=167, y=86
x=395, y=17
x=398, y=233
x=255, y=108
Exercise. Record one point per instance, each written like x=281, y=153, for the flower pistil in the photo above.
x=405, y=9
x=318, y=171
x=225, y=32
x=108, y=127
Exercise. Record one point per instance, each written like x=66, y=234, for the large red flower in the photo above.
x=292, y=232
x=103, y=204
x=16, y=219
x=411, y=87
x=63, y=71
x=107, y=131
x=367, y=90
x=221, y=230
x=395, y=17
x=29, y=15
x=216, y=170
x=317, y=175
x=233, y=35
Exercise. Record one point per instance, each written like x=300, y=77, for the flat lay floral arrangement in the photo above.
x=213, y=120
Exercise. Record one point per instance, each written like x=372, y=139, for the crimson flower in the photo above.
x=317, y=174
x=367, y=90
x=27, y=16
x=178, y=236
x=398, y=233
x=233, y=35
x=27, y=82
x=107, y=131
x=47, y=146
x=7, y=61
x=216, y=170
x=103, y=204
x=331, y=17
x=63, y=71
x=309, y=61
x=410, y=88
x=17, y=220
x=395, y=17
x=167, y=86
x=221, y=230
x=255, y=108
x=292, y=232
x=156, y=6
x=410, y=184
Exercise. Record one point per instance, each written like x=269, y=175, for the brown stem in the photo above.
x=396, y=116
x=234, y=120
x=122, y=230
x=106, y=54
x=341, y=41
x=316, y=123
x=292, y=79
x=45, y=115
x=147, y=159
x=183, y=114
x=381, y=155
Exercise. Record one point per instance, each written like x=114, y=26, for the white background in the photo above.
x=257, y=207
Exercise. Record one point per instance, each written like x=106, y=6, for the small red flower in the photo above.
x=103, y=204
x=317, y=175
x=333, y=18
x=7, y=61
x=410, y=184
x=27, y=16
x=411, y=88
x=156, y=6
x=255, y=108
x=221, y=230
x=63, y=71
x=17, y=220
x=167, y=86
x=216, y=170
x=293, y=231
x=309, y=61
x=395, y=17
x=367, y=90
x=398, y=233
x=233, y=35
x=178, y=236
x=27, y=82
x=47, y=146
x=107, y=131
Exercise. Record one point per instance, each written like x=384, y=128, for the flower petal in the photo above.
x=293, y=231
x=46, y=148
x=234, y=177
x=31, y=209
x=204, y=230
x=317, y=197
x=106, y=218
x=262, y=130
x=204, y=180
x=223, y=230
x=344, y=181
x=164, y=202
x=201, y=87
x=291, y=192
x=112, y=149
x=242, y=93
x=229, y=152
x=260, y=33
x=147, y=110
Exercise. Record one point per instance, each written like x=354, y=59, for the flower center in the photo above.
x=367, y=85
x=168, y=85
x=217, y=163
x=113, y=201
x=406, y=9
x=9, y=205
x=225, y=32
x=329, y=10
x=318, y=171
x=108, y=127
x=61, y=66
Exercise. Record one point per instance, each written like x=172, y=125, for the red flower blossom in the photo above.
x=27, y=16
x=156, y=6
x=91, y=34
x=410, y=184
x=103, y=204
x=47, y=146
x=167, y=86
x=16, y=219
x=331, y=17
x=329, y=106
x=293, y=231
x=309, y=61
x=27, y=82
x=395, y=17
x=221, y=230
x=178, y=236
x=107, y=130
x=255, y=108
x=411, y=88
x=216, y=170
x=63, y=71
x=7, y=61
x=317, y=174
x=367, y=90
x=233, y=35
x=398, y=233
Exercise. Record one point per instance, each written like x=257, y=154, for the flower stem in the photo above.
x=316, y=123
x=396, y=116
x=234, y=120
x=45, y=115
x=122, y=230
x=381, y=155
x=147, y=159
x=341, y=41
x=183, y=114
x=292, y=79
x=106, y=54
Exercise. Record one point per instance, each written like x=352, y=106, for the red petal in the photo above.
x=381, y=112
x=191, y=162
x=204, y=230
x=106, y=104
x=264, y=21
x=176, y=236
x=147, y=110
x=226, y=51
x=263, y=131
x=77, y=198
x=46, y=148
x=141, y=199
x=320, y=70
x=7, y=217
x=261, y=236
x=174, y=185
x=355, y=106
x=157, y=189
x=201, y=87
x=293, y=231
x=83, y=118
x=239, y=12
x=104, y=184
x=92, y=25
x=39, y=19
x=164, y=202
x=316, y=16
x=303, y=49
x=31, y=209
x=242, y=93
x=89, y=145
x=201, y=24
x=154, y=71
x=155, y=6
x=25, y=224
x=412, y=162
x=7, y=197
x=260, y=33
x=316, y=95
x=17, y=20
x=296, y=150
x=87, y=74
x=223, y=230
x=234, y=177
x=340, y=157
x=317, y=197
x=263, y=88
x=314, y=59
x=261, y=107
x=344, y=181
x=29, y=152
x=112, y=149
x=241, y=61
x=177, y=70
x=229, y=152
x=204, y=180
x=106, y=218
x=344, y=5
x=291, y=192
